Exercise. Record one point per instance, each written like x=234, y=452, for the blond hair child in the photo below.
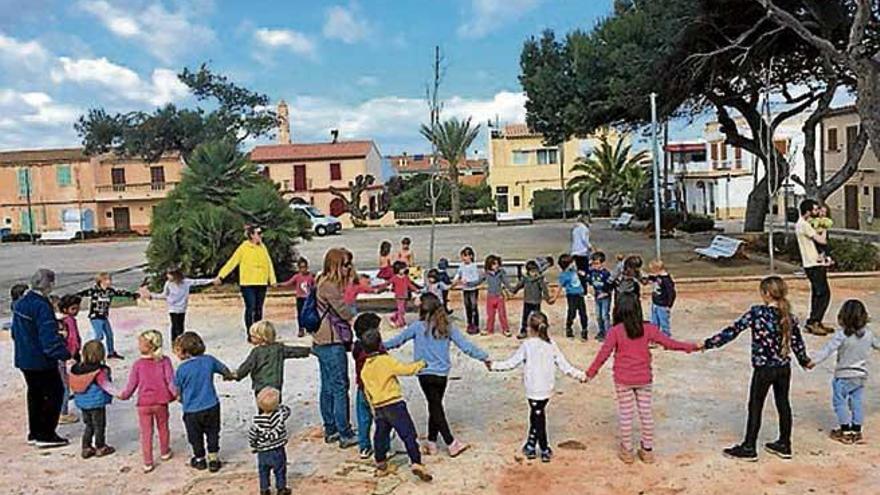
x=265, y=363
x=268, y=438
x=100, y=298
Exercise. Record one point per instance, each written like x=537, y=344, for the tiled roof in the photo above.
x=41, y=156
x=518, y=130
x=422, y=163
x=311, y=151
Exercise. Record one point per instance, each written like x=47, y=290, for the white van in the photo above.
x=321, y=224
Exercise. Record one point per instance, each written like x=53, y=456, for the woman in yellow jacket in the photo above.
x=255, y=273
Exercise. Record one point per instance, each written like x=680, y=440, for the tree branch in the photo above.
x=784, y=18
x=860, y=24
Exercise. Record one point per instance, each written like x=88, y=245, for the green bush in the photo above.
x=697, y=223
x=413, y=196
x=853, y=256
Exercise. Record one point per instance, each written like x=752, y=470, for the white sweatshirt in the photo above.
x=540, y=360
x=177, y=295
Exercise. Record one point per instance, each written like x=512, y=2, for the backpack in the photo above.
x=309, y=317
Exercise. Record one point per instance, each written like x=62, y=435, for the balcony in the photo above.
x=137, y=191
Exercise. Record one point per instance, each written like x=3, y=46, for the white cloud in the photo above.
x=164, y=87
x=17, y=54
x=485, y=16
x=287, y=39
x=166, y=35
x=346, y=24
x=27, y=108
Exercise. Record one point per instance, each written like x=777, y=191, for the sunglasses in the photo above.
x=347, y=264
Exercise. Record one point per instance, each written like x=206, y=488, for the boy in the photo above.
x=100, y=298
x=600, y=279
x=362, y=324
x=468, y=276
x=536, y=291
x=382, y=389
x=268, y=439
x=443, y=277
x=662, y=297
x=570, y=282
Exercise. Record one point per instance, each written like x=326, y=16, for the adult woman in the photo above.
x=330, y=345
x=255, y=273
x=38, y=348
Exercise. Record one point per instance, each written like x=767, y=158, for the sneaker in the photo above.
x=148, y=468
x=346, y=442
x=167, y=456
x=646, y=456
x=301, y=333
x=814, y=329
x=384, y=469
x=332, y=438
x=484, y=332
x=546, y=454
x=422, y=473
x=104, y=451
x=522, y=334
x=856, y=438
x=600, y=337
x=506, y=333
x=585, y=337
x=115, y=355
x=198, y=463
x=214, y=465
x=741, y=453
x=778, y=449
x=456, y=448
x=625, y=455
x=88, y=452
x=67, y=419
x=265, y=492
x=838, y=435
x=284, y=491
x=529, y=451
x=365, y=453
x=569, y=333
x=52, y=443
x=430, y=448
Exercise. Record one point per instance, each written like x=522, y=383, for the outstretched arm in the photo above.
x=512, y=362
x=671, y=344
x=726, y=335
x=403, y=337
x=829, y=348
x=467, y=346
x=565, y=366
x=603, y=355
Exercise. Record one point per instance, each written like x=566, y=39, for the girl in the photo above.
x=539, y=357
x=852, y=344
x=360, y=284
x=265, y=363
x=434, y=285
x=468, y=278
x=69, y=307
x=496, y=283
x=405, y=254
x=629, y=340
x=386, y=271
x=176, y=296
x=402, y=285
x=194, y=381
x=100, y=297
x=153, y=377
x=775, y=334
x=303, y=282
x=92, y=391
x=432, y=335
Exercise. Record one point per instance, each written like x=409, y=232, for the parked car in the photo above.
x=322, y=224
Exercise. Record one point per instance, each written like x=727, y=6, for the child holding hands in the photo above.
x=265, y=362
x=92, y=392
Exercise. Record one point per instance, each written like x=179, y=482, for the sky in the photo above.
x=359, y=66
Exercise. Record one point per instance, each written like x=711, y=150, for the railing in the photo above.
x=145, y=189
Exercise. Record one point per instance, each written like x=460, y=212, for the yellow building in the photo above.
x=521, y=166
x=62, y=189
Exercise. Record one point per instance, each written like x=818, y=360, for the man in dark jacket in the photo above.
x=38, y=348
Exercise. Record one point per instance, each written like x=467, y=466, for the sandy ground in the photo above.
x=699, y=409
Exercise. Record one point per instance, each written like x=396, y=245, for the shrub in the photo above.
x=853, y=256
x=697, y=223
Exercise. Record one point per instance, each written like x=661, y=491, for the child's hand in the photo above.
x=810, y=365
x=217, y=281
x=585, y=379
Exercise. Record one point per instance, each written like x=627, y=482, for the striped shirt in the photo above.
x=269, y=431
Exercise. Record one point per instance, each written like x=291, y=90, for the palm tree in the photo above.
x=609, y=172
x=452, y=138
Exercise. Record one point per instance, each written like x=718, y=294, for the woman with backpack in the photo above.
x=331, y=343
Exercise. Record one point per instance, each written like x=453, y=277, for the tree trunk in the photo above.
x=868, y=101
x=454, y=196
x=756, y=207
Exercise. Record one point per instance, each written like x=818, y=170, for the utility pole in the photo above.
x=434, y=189
x=656, y=167
x=561, y=157
x=27, y=183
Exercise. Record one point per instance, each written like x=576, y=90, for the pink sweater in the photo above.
x=74, y=342
x=632, y=357
x=154, y=380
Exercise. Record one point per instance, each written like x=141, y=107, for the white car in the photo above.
x=322, y=224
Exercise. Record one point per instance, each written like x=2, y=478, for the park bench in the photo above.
x=622, y=221
x=57, y=236
x=518, y=218
x=722, y=247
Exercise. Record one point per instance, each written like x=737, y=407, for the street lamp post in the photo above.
x=656, y=170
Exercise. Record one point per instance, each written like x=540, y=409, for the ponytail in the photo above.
x=539, y=323
x=776, y=290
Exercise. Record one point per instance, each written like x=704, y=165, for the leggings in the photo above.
x=763, y=378
x=538, y=423
x=178, y=325
x=629, y=399
x=148, y=416
x=399, y=316
x=496, y=305
x=471, y=309
x=434, y=387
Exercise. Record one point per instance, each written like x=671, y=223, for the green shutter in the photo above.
x=62, y=175
x=23, y=182
x=26, y=226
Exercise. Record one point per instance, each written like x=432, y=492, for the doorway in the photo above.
x=121, y=220
x=501, y=199
x=851, y=207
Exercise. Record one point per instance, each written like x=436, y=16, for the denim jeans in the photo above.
x=333, y=397
x=847, y=400
x=62, y=369
x=603, y=314
x=103, y=331
x=272, y=461
x=660, y=317
x=364, y=420
x=254, y=296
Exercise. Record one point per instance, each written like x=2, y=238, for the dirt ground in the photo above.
x=699, y=409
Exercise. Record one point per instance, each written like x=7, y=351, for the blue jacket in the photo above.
x=38, y=346
x=87, y=394
x=434, y=352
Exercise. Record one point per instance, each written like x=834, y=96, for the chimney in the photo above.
x=334, y=135
x=283, y=123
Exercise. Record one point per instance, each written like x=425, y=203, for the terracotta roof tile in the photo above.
x=311, y=151
x=45, y=155
x=422, y=163
x=518, y=130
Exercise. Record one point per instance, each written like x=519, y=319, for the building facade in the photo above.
x=856, y=205
x=472, y=172
x=62, y=189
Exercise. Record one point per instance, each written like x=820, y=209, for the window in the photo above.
x=520, y=158
x=26, y=225
x=738, y=157
x=832, y=139
x=62, y=175
x=547, y=157
x=299, y=178
x=264, y=171
x=117, y=178
x=852, y=135
x=713, y=147
x=157, y=178
x=335, y=171
x=866, y=191
x=24, y=182
x=516, y=201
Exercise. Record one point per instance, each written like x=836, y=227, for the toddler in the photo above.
x=443, y=277
x=360, y=284
x=69, y=308
x=630, y=342
x=402, y=285
x=194, y=381
x=535, y=290
x=268, y=439
x=662, y=296
x=468, y=278
x=265, y=362
x=405, y=254
x=852, y=343
x=570, y=284
x=100, y=298
x=600, y=279
x=303, y=282
x=92, y=392
x=539, y=357
x=176, y=295
x=822, y=223
x=152, y=376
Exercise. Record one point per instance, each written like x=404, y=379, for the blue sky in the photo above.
x=360, y=66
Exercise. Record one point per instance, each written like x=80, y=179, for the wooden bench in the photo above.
x=722, y=247
x=622, y=221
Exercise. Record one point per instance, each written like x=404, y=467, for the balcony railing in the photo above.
x=144, y=190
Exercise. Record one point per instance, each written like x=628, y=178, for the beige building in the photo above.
x=856, y=205
x=62, y=189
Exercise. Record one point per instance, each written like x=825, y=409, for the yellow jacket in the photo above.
x=379, y=375
x=254, y=265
